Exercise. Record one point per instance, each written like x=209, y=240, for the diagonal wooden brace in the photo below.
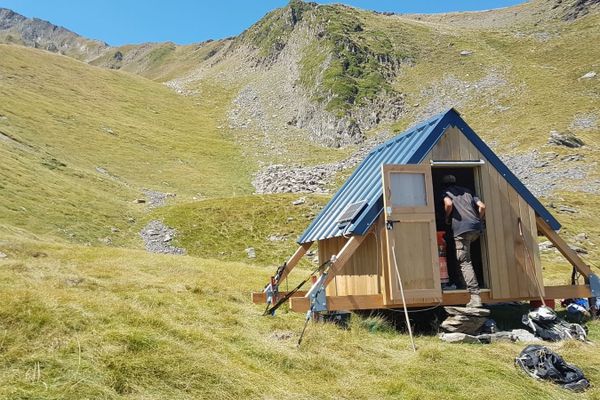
x=294, y=260
x=570, y=254
x=342, y=258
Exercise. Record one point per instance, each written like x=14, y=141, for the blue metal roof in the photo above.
x=410, y=147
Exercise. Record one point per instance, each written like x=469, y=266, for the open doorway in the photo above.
x=466, y=176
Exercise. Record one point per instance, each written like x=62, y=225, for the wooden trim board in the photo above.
x=261, y=297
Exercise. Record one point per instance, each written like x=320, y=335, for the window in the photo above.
x=408, y=189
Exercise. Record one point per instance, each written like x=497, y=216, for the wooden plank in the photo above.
x=563, y=247
x=489, y=237
x=532, y=260
x=361, y=274
x=519, y=271
x=344, y=255
x=294, y=259
x=261, y=297
x=371, y=302
x=454, y=142
x=567, y=292
x=441, y=151
x=498, y=264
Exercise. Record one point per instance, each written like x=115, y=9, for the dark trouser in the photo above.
x=463, y=257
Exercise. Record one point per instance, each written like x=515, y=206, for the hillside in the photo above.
x=79, y=144
x=121, y=324
x=237, y=144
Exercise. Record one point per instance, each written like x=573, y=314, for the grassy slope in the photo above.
x=114, y=323
x=224, y=228
x=67, y=119
x=160, y=61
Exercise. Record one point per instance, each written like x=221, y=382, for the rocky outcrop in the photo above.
x=37, y=33
x=157, y=238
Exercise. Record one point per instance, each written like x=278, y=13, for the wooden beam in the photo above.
x=261, y=297
x=568, y=292
x=343, y=256
x=570, y=254
x=456, y=297
x=294, y=259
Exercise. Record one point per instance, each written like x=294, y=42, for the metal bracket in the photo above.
x=317, y=295
x=272, y=292
x=594, y=285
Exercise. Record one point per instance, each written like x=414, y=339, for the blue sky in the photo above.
x=186, y=21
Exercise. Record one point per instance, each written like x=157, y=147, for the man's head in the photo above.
x=449, y=180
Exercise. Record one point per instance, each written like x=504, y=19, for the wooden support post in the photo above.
x=570, y=254
x=294, y=259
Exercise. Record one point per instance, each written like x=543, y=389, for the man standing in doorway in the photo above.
x=465, y=212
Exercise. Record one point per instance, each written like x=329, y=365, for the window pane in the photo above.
x=408, y=189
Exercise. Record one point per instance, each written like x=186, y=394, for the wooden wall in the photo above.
x=510, y=273
x=363, y=274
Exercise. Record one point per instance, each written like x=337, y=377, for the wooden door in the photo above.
x=410, y=213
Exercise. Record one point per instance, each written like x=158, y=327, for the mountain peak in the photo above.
x=38, y=33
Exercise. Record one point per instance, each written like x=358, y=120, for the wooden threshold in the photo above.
x=370, y=302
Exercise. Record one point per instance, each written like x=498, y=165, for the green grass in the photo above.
x=224, y=228
x=80, y=322
x=160, y=61
x=66, y=119
x=364, y=57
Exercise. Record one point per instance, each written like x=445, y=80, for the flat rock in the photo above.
x=578, y=249
x=580, y=237
x=463, y=324
x=469, y=311
x=3, y=255
x=457, y=337
x=589, y=75
x=298, y=202
x=565, y=139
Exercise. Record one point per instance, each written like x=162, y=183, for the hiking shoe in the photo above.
x=475, y=301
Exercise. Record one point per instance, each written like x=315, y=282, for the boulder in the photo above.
x=564, y=139
x=250, y=252
x=465, y=320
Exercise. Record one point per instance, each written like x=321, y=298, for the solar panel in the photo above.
x=351, y=212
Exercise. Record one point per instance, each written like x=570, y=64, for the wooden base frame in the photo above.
x=371, y=302
x=300, y=302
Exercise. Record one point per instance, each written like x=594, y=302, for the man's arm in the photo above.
x=447, y=207
x=481, y=209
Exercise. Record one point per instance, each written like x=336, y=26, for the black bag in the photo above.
x=542, y=363
x=546, y=324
